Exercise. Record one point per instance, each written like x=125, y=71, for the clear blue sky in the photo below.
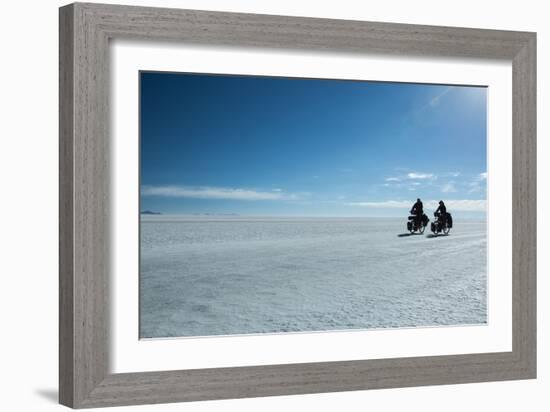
x=301, y=147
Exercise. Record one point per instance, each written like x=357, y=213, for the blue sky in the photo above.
x=308, y=147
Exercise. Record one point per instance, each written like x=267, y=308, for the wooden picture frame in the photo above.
x=85, y=31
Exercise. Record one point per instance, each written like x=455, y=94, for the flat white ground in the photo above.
x=233, y=275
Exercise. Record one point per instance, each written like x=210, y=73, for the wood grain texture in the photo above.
x=66, y=229
x=85, y=31
x=524, y=208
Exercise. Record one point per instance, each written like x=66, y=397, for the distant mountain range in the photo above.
x=149, y=212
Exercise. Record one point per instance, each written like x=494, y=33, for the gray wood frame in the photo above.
x=85, y=30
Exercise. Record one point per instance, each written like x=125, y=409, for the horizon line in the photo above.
x=481, y=215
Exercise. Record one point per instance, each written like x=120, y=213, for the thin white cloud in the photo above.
x=393, y=179
x=208, y=192
x=276, y=190
x=448, y=187
x=464, y=205
x=416, y=175
x=474, y=188
x=394, y=204
x=434, y=101
x=476, y=185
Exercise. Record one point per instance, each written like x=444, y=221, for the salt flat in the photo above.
x=203, y=275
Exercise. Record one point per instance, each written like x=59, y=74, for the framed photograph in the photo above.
x=256, y=205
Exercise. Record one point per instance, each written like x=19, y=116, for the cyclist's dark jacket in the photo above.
x=417, y=209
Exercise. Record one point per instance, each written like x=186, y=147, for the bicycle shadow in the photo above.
x=408, y=234
x=433, y=235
